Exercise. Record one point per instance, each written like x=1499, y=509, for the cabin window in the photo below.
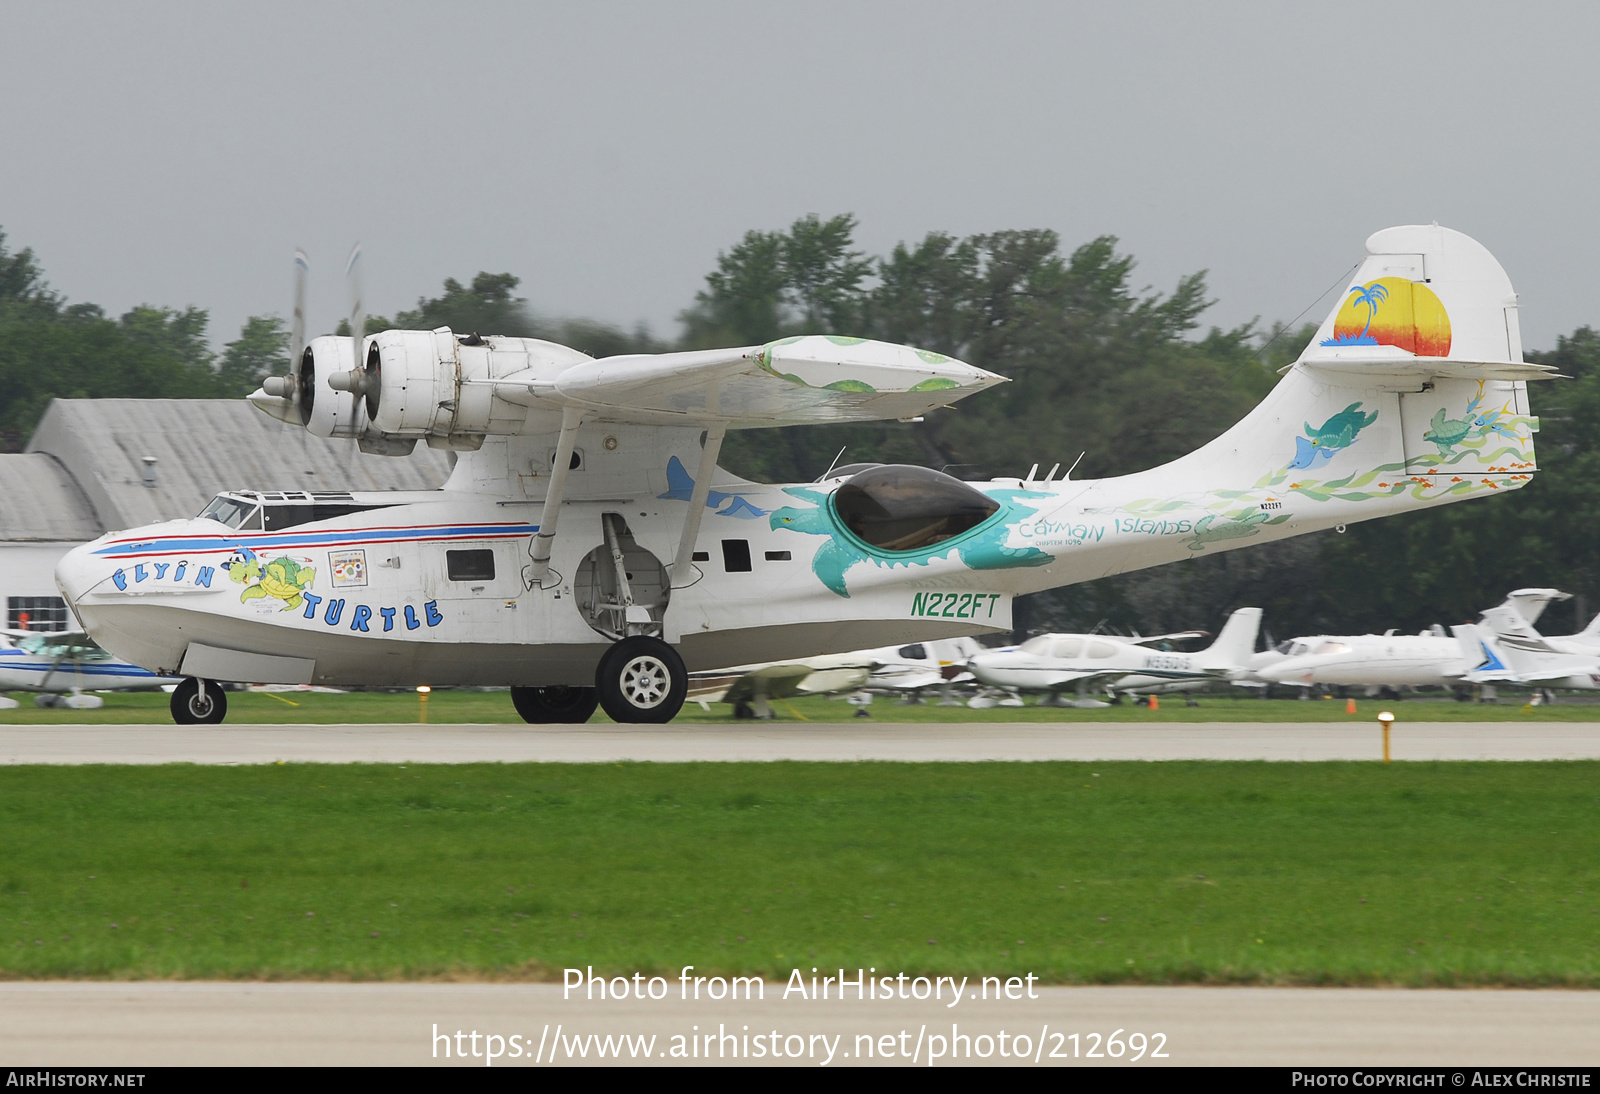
x=914, y=652
x=279, y=517
x=778, y=556
x=898, y=507
x=736, y=556
x=470, y=565
x=1101, y=649
x=700, y=556
x=1068, y=647
x=1332, y=647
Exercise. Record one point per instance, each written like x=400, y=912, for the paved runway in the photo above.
x=149, y=1024
x=681, y=742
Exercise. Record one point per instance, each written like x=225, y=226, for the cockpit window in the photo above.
x=898, y=507
x=234, y=512
x=914, y=652
x=253, y=512
x=1039, y=645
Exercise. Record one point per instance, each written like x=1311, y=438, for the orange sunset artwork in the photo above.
x=1392, y=311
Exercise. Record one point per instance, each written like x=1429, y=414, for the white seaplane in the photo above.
x=587, y=548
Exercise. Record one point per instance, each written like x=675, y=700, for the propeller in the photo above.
x=358, y=381
x=284, y=387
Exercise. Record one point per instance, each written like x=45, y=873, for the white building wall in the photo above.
x=29, y=569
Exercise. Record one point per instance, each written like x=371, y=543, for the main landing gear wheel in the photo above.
x=543, y=706
x=199, y=702
x=642, y=679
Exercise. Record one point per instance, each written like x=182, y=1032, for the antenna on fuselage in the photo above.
x=832, y=465
x=1074, y=466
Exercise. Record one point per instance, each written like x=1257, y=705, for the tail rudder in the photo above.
x=1411, y=393
x=1486, y=660
x=1531, y=603
x=1235, y=643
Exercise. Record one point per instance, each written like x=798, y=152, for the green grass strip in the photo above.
x=1316, y=873
x=456, y=707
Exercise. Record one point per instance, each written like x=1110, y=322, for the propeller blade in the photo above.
x=358, y=307
x=297, y=332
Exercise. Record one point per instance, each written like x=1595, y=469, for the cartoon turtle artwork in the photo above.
x=1337, y=433
x=1206, y=532
x=1448, y=432
x=283, y=578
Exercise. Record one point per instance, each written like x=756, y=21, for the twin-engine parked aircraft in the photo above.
x=1503, y=649
x=62, y=665
x=1430, y=658
x=1102, y=662
x=588, y=549
x=1506, y=649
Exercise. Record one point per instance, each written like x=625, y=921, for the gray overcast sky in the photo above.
x=604, y=152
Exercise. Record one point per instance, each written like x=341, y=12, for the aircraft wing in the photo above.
x=789, y=382
x=829, y=681
x=778, y=680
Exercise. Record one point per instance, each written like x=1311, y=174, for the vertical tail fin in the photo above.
x=1531, y=603
x=1236, y=642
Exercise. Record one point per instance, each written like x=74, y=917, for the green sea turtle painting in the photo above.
x=1337, y=433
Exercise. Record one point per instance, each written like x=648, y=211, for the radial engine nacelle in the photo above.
x=412, y=385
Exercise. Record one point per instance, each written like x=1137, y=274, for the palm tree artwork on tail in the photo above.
x=1371, y=296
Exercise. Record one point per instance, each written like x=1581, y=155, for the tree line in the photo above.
x=1114, y=377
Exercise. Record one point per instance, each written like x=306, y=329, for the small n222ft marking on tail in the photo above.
x=954, y=605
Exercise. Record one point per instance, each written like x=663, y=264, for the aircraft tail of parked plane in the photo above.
x=1235, y=643
x=1503, y=649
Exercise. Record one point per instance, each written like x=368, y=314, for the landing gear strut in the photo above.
x=642, y=679
x=199, y=702
x=545, y=706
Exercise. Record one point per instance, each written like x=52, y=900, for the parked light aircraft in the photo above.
x=1102, y=662
x=1429, y=658
x=909, y=669
x=1504, y=648
x=61, y=665
x=587, y=548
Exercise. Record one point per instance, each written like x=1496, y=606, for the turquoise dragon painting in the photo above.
x=983, y=548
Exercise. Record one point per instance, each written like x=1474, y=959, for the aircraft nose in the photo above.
x=76, y=573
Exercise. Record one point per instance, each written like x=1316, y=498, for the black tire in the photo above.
x=555, y=705
x=199, y=702
x=642, y=680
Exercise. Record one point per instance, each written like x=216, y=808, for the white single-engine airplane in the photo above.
x=587, y=548
x=1055, y=662
x=61, y=665
x=908, y=670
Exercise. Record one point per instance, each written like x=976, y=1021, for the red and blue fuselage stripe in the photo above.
x=300, y=540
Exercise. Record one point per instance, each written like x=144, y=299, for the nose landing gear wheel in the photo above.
x=199, y=702
x=544, y=706
x=642, y=679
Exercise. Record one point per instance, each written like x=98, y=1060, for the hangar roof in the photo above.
x=40, y=503
x=201, y=447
